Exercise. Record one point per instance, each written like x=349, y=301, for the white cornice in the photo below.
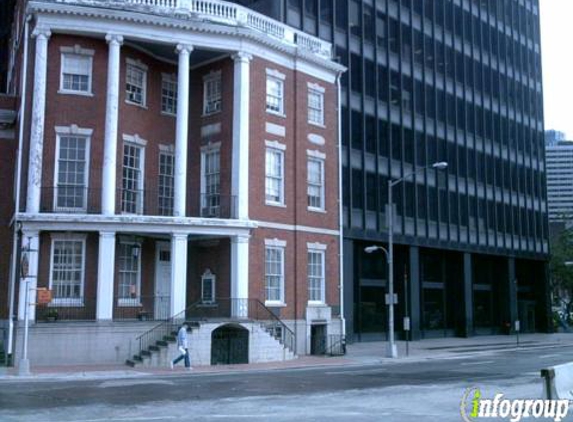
x=69, y=18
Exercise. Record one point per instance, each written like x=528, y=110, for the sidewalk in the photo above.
x=357, y=354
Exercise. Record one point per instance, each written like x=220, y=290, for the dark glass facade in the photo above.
x=441, y=80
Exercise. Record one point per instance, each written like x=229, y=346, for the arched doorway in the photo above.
x=229, y=345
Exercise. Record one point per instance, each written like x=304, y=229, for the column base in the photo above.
x=391, y=350
x=24, y=367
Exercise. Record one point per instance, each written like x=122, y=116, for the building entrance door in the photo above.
x=162, y=280
x=318, y=339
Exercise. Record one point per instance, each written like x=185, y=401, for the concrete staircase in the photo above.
x=264, y=346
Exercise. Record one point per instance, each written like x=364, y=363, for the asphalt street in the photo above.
x=397, y=391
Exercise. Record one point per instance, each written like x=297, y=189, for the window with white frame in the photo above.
x=135, y=83
x=316, y=106
x=72, y=168
x=275, y=92
x=169, y=94
x=208, y=287
x=274, y=273
x=315, y=187
x=165, y=183
x=274, y=175
x=129, y=283
x=132, y=180
x=316, y=276
x=76, y=70
x=212, y=93
x=210, y=181
x=67, y=270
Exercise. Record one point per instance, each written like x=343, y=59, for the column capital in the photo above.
x=114, y=39
x=242, y=238
x=184, y=48
x=241, y=56
x=107, y=233
x=179, y=236
x=26, y=233
x=41, y=32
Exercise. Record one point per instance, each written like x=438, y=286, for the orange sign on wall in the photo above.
x=44, y=296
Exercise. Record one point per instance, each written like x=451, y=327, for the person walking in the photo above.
x=182, y=346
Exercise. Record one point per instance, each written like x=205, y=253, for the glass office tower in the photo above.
x=427, y=81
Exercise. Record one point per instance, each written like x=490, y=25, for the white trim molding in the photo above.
x=73, y=130
x=275, y=145
x=134, y=139
x=316, y=246
x=278, y=243
x=316, y=154
x=275, y=74
x=316, y=87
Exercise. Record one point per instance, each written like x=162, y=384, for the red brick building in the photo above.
x=179, y=161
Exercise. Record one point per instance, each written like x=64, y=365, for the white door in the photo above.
x=162, y=280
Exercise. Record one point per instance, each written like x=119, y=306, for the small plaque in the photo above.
x=44, y=296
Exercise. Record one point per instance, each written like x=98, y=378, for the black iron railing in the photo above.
x=70, y=200
x=336, y=345
x=83, y=308
x=223, y=309
x=217, y=206
x=143, y=308
x=80, y=308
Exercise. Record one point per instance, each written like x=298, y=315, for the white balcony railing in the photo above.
x=229, y=14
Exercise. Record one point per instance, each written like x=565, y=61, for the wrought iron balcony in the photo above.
x=70, y=199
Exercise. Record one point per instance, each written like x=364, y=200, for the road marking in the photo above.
x=141, y=418
x=358, y=372
x=130, y=383
x=477, y=363
x=554, y=355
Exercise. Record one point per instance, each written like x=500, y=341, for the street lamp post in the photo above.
x=392, y=352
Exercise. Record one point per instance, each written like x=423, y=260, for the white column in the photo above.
x=29, y=259
x=108, y=193
x=178, y=273
x=240, y=274
x=38, y=116
x=105, y=276
x=181, y=131
x=241, y=99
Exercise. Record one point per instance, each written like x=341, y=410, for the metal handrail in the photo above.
x=226, y=308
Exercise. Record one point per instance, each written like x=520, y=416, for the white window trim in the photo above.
x=64, y=237
x=79, y=51
x=316, y=89
x=171, y=77
x=321, y=249
x=128, y=302
x=165, y=150
x=280, y=77
x=205, y=149
x=76, y=131
x=281, y=148
x=141, y=143
x=208, y=274
x=139, y=64
x=211, y=76
x=281, y=245
x=320, y=157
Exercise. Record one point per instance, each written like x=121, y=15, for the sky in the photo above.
x=557, y=64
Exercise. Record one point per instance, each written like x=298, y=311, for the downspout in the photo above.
x=340, y=220
x=295, y=206
x=15, y=223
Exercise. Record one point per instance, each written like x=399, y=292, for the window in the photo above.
x=274, y=176
x=316, y=276
x=316, y=106
x=76, y=70
x=129, y=273
x=274, y=272
x=169, y=94
x=135, y=83
x=315, y=188
x=212, y=93
x=132, y=181
x=71, y=172
x=208, y=287
x=211, y=181
x=275, y=92
x=67, y=270
x=166, y=165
